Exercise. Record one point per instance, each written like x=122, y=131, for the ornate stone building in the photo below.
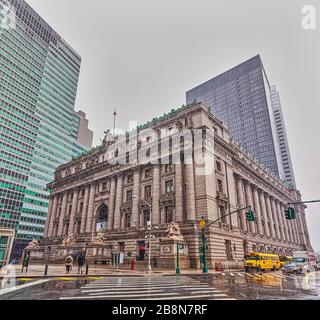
x=93, y=196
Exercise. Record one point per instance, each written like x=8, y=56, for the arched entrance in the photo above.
x=102, y=218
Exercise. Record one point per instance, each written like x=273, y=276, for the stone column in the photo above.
x=117, y=213
x=135, y=199
x=284, y=221
x=280, y=218
x=48, y=218
x=288, y=231
x=90, y=209
x=156, y=191
x=249, y=201
x=190, y=195
x=63, y=213
x=256, y=205
x=241, y=203
x=84, y=210
x=53, y=215
x=276, y=218
x=178, y=193
x=73, y=210
x=111, y=203
x=269, y=213
x=297, y=231
x=263, y=208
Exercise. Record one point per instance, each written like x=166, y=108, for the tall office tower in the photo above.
x=240, y=97
x=38, y=124
x=85, y=135
x=282, y=137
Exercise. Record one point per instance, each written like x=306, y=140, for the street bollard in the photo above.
x=46, y=270
x=87, y=269
x=132, y=264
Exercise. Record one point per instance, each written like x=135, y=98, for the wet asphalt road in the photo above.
x=225, y=286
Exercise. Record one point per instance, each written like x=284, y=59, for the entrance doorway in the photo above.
x=141, y=250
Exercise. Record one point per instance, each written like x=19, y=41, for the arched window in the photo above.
x=102, y=218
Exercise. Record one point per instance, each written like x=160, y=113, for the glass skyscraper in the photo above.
x=39, y=74
x=240, y=97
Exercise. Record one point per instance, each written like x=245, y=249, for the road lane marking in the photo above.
x=188, y=297
x=131, y=286
x=23, y=286
x=249, y=275
x=122, y=296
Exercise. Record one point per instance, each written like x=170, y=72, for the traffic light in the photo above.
x=250, y=215
x=290, y=213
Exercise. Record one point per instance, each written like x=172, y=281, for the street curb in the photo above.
x=164, y=274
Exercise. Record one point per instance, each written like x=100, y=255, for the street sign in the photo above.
x=202, y=223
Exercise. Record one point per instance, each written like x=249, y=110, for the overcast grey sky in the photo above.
x=141, y=56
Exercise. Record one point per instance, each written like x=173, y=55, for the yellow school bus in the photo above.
x=261, y=261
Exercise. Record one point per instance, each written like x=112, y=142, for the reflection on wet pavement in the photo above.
x=236, y=285
x=50, y=290
x=269, y=285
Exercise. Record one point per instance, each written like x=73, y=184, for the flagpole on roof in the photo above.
x=114, y=121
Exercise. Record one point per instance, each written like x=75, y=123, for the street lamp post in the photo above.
x=85, y=257
x=149, y=233
x=178, y=267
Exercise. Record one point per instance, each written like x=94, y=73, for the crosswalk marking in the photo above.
x=155, y=288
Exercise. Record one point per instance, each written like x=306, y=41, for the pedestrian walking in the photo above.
x=155, y=262
x=68, y=263
x=81, y=261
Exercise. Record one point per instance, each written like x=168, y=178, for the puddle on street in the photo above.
x=266, y=286
x=52, y=290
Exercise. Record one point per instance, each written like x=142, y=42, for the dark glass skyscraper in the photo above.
x=240, y=97
x=39, y=74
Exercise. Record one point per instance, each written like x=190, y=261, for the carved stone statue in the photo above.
x=69, y=240
x=173, y=232
x=33, y=245
x=99, y=239
x=108, y=138
x=179, y=125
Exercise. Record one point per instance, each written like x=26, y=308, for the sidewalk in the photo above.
x=37, y=271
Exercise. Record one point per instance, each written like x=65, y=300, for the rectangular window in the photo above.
x=218, y=164
x=130, y=178
x=228, y=249
x=147, y=191
x=220, y=186
x=169, y=186
x=169, y=214
x=147, y=173
x=129, y=195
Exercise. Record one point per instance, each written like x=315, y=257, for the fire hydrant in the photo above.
x=132, y=263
